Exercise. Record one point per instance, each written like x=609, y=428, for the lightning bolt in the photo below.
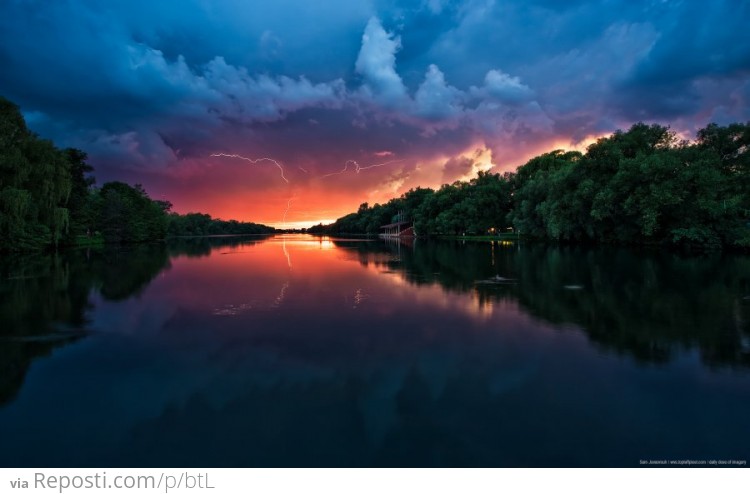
x=253, y=161
x=302, y=169
x=286, y=253
x=358, y=168
x=288, y=205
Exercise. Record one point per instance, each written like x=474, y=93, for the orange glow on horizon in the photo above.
x=230, y=191
x=305, y=272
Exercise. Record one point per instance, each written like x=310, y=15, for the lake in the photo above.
x=296, y=350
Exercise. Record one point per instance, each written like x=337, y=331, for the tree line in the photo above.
x=640, y=186
x=48, y=198
x=200, y=224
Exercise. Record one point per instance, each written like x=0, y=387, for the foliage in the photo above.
x=35, y=185
x=640, y=186
x=127, y=214
x=462, y=207
x=369, y=219
x=80, y=204
x=197, y=224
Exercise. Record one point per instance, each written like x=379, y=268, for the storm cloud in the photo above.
x=151, y=90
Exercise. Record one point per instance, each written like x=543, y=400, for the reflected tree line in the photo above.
x=197, y=247
x=45, y=298
x=649, y=305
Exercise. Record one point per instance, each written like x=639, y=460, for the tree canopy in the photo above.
x=35, y=185
x=640, y=186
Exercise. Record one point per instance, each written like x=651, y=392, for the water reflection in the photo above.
x=305, y=351
x=645, y=304
x=46, y=298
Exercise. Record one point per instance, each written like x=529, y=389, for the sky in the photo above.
x=340, y=102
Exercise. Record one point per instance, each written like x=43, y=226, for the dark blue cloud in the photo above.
x=698, y=42
x=694, y=45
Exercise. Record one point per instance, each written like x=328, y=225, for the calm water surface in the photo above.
x=302, y=351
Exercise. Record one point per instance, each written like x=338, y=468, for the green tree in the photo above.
x=80, y=203
x=35, y=185
x=127, y=214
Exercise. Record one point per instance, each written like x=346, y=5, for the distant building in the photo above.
x=400, y=226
